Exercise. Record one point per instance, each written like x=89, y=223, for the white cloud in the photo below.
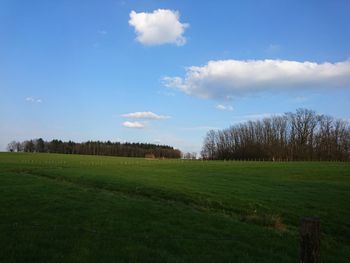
x=224, y=107
x=162, y=26
x=134, y=124
x=224, y=79
x=33, y=100
x=145, y=115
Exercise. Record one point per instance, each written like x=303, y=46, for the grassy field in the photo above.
x=69, y=208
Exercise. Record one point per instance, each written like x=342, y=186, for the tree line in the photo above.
x=300, y=136
x=95, y=148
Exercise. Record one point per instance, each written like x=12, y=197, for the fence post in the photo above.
x=310, y=237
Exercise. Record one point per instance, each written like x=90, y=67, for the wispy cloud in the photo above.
x=224, y=79
x=162, y=26
x=166, y=93
x=33, y=100
x=145, y=115
x=255, y=116
x=134, y=124
x=300, y=99
x=273, y=49
x=224, y=107
x=102, y=32
x=199, y=128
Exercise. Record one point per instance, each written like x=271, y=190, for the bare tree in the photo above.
x=303, y=135
x=12, y=146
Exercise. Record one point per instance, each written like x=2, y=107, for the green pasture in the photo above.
x=71, y=208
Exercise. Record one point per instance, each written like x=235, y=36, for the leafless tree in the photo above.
x=12, y=146
x=303, y=135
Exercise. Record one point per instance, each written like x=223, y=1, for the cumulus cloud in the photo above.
x=134, y=124
x=145, y=115
x=224, y=107
x=162, y=26
x=225, y=79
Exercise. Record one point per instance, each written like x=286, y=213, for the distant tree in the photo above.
x=28, y=146
x=40, y=145
x=12, y=146
x=98, y=148
x=187, y=155
x=19, y=147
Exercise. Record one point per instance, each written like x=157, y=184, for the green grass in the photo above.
x=69, y=208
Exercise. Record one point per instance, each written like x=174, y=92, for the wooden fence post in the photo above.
x=310, y=237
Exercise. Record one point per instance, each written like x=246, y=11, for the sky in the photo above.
x=166, y=72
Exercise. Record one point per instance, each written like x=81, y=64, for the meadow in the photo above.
x=73, y=208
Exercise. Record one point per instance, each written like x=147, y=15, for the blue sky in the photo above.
x=76, y=70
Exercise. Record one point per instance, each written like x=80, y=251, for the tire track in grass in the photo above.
x=250, y=217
